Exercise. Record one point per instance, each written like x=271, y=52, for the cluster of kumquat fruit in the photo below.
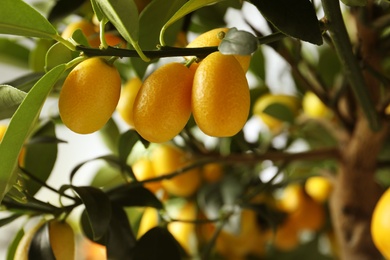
x=160, y=107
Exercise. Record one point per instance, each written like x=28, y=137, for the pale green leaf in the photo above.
x=21, y=125
x=18, y=18
x=187, y=8
x=10, y=99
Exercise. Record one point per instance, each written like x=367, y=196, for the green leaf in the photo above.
x=110, y=135
x=21, y=125
x=124, y=16
x=157, y=243
x=40, y=157
x=97, y=207
x=151, y=20
x=280, y=111
x=120, y=236
x=238, y=42
x=257, y=65
x=187, y=8
x=40, y=247
x=131, y=196
x=295, y=18
x=7, y=220
x=64, y=8
x=10, y=99
x=57, y=54
x=14, y=244
x=126, y=143
x=354, y=2
x=26, y=82
x=13, y=49
x=18, y=18
x=38, y=55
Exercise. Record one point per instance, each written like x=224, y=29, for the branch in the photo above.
x=350, y=64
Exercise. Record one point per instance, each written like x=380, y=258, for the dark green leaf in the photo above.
x=132, y=196
x=110, y=135
x=40, y=157
x=18, y=18
x=21, y=125
x=25, y=83
x=13, y=49
x=120, y=237
x=157, y=243
x=97, y=207
x=10, y=99
x=354, y=2
x=7, y=220
x=238, y=42
x=329, y=66
x=295, y=18
x=126, y=143
x=40, y=247
x=63, y=8
x=280, y=112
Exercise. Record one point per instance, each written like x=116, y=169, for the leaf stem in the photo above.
x=348, y=60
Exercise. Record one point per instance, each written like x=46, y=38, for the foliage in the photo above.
x=239, y=210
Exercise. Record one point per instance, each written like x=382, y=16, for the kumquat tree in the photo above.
x=231, y=129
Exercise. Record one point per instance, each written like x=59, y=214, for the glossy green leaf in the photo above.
x=151, y=20
x=354, y=2
x=21, y=124
x=238, y=42
x=257, y=65
x=57, y=54
x=124, y=16
x=97, y=207
x=131, y=196
x=40, y=156
x=295, y=18
x=40, y=247
x=280, y=112
x=10, y=99
x=157, y=243
x=120, y=236
x=13, y=49
x=187, y=8
x=19, y=18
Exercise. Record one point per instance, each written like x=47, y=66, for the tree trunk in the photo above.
x=356, y=193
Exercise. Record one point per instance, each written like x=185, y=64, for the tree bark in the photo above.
x=356, y=192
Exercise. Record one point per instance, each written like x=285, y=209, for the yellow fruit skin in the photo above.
x=3, y=128
x=89, y=96
x=266, y=100
x=319, y=188
x=85, y=26
x=380, y=224
x=126, y=101
x=148, y=221
x=313, y=106
x=167, y=159
x=163, y=104
x=220, y=96
x=62, y=240
x=143, y=170
x=184, y=232
x=212, y=172
x=211, y=38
